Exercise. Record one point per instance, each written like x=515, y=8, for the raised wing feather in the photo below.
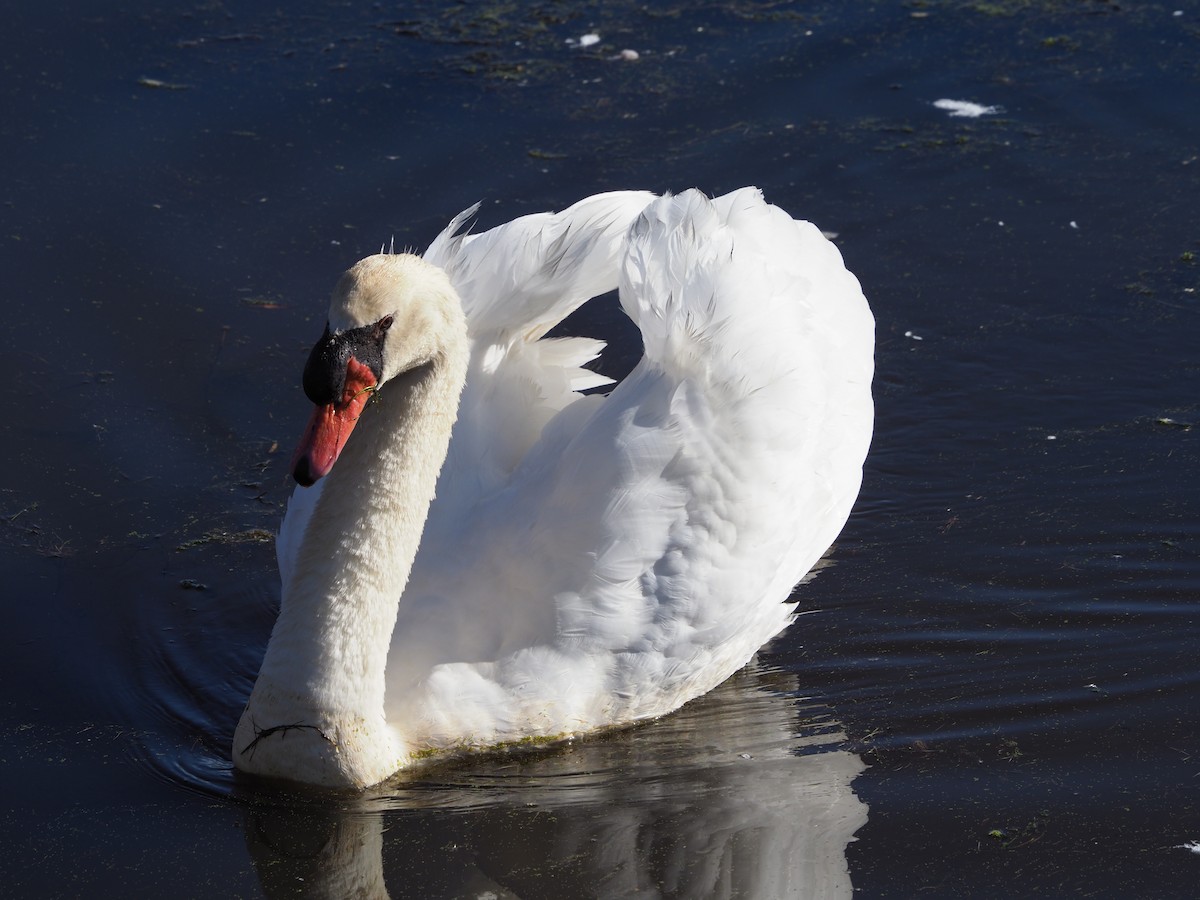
x=517, y=281
x=639, y=550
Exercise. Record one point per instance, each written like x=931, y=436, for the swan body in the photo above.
x=496, y=556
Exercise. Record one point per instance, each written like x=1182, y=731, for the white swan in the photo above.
x=588, y=561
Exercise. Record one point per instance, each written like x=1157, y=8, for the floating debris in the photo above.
x=251, y=536
x=966, y=109
x=913, y=336
x=191, y=584
x=263, y=303
x=584, y=40
x=156, y=84
x=629, y=55
x=1194, y=846
x=1172, y=423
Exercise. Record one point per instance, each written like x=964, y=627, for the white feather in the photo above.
x=591, y=561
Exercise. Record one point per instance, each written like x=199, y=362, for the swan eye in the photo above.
x=385, y=323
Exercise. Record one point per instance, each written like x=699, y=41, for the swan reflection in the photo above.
x=743, y=793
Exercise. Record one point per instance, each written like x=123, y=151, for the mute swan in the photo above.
x=588, y=561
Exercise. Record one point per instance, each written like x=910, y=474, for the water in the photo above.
x=991, y=691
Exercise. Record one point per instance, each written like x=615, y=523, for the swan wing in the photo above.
x=641, y=548
x=522, y=278
x=517, y=281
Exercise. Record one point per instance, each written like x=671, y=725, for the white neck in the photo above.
x=316, y=713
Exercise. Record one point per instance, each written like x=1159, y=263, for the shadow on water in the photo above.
x=744, y=793
x=724, y=799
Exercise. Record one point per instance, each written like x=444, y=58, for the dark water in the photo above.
x=996, y=690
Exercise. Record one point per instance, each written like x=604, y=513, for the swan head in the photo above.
x=389, y=314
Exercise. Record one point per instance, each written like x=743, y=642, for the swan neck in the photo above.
x=324, y=667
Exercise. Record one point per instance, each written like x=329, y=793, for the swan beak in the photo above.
x=331, y=424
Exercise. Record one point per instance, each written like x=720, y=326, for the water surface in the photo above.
x=991, y=691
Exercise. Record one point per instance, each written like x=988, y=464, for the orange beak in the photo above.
x=330, y=426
